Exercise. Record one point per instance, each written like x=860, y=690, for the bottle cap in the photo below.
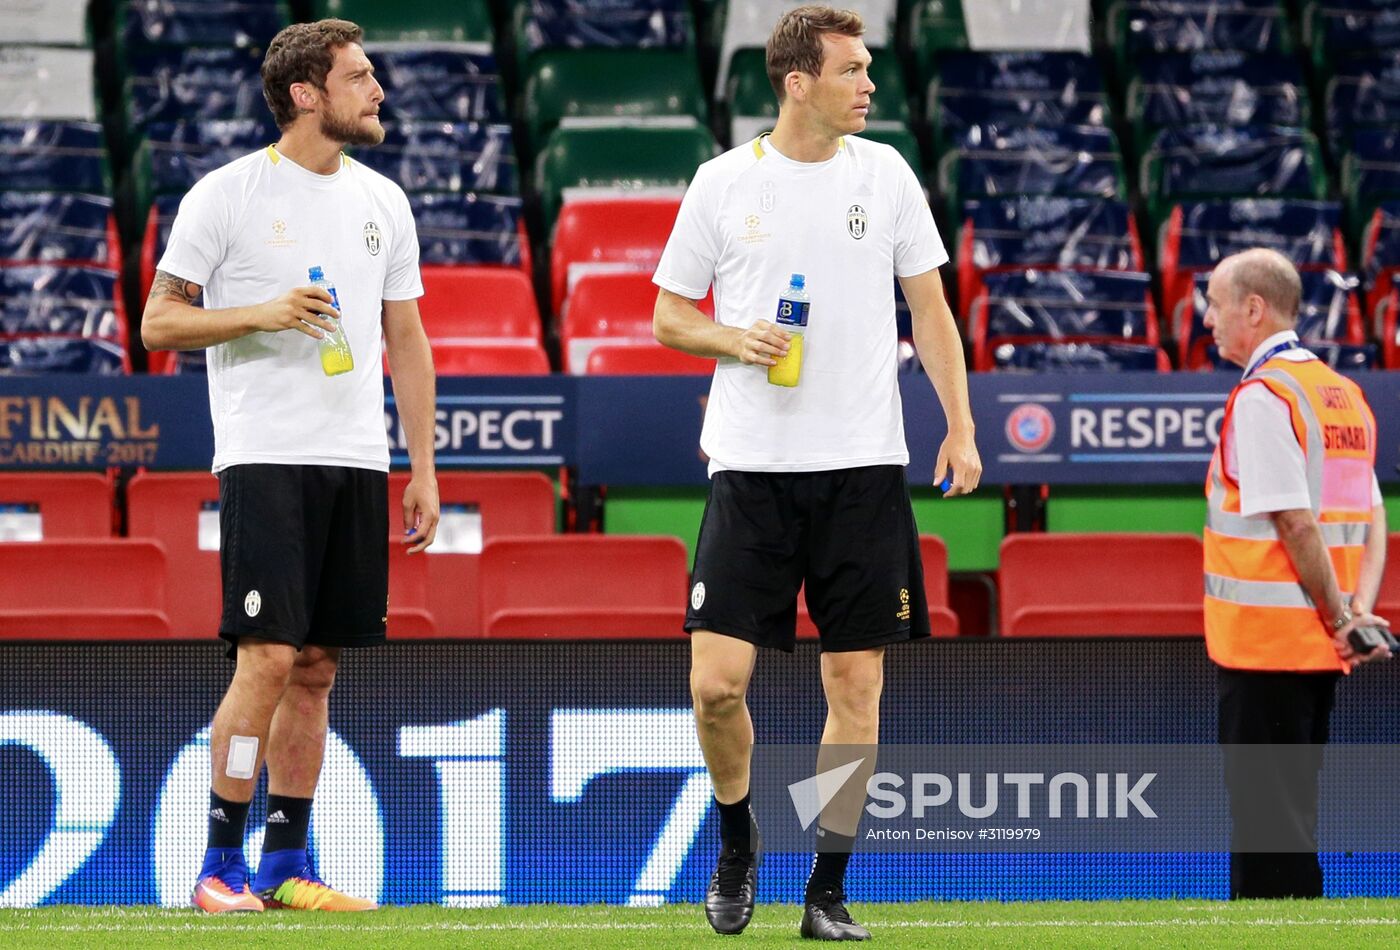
x=799, y=281
x=315, y=273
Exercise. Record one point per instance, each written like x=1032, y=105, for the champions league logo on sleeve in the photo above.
x=1030, y=427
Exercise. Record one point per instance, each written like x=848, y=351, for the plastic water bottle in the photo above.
x=336, y=357
x=793, y=306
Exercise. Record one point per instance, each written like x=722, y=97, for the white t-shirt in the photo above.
x=247, y=233
x=750, y=220
x=1262, y=452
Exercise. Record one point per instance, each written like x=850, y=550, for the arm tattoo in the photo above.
x=168, y=285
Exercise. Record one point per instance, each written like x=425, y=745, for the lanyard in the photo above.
x=1273, y=351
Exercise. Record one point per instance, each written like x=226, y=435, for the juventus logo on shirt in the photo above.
x=856, y=222
x=372, y=242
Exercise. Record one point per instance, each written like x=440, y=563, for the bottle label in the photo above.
x=793, y=313
x=335, y=298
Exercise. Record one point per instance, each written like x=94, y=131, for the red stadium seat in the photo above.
x=616, y=306
x=508, y=503
x=623, y=233
x=645, y=359
x=490, y=357
x=166, y=507
x=409, y=617
x=70, y=505
x=1101, y=585
x=91, y=589
x=1388, y=599
x=478, y=302
x=934, y=554
x=584, y=586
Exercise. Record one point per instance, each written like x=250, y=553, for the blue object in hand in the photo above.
x=946, y=484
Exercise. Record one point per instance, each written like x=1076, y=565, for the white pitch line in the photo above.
x=464, y=927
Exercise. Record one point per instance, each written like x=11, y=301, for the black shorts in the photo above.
x=849, y=534
x=305, y=554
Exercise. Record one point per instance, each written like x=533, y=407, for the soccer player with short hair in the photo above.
x=301, y=455
x=807, y=483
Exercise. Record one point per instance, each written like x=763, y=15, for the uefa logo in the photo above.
x=1030, y=427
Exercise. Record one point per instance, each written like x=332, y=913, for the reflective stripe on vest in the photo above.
x=1258, y=616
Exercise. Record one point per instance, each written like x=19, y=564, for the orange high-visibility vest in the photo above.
x=1258, y=616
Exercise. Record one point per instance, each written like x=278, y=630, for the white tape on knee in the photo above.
x=242, y=756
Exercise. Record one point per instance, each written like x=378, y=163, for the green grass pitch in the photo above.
x=1195, y=924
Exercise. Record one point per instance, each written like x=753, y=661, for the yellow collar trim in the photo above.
x=758, y=144
x=273, y=155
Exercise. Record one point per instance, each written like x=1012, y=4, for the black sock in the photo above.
x=287, y=819
x=227, y=821
x=829, y=866
x=737, y=828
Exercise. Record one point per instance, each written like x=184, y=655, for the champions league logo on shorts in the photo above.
x=1030, y=427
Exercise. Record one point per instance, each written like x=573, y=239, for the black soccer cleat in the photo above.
x=826, y=918
x=730, y=897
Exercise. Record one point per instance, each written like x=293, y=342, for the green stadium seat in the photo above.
x=903, y=142
x=619, y=159
x=609, y=84
x=457, y=21
x=935, y=26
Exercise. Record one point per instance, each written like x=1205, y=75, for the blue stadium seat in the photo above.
x=456, y=82
x=1080, y=358
x=1222, y=87
x=241, y=23
x=59, y=300
x=54, y=354
x=1007, y=89
x=446, y=156
x=1363, y=92
x=1080, y=161
x=57, y=226
x=166, y=84
x=1338, y=30
x=1044, y=232
x=1371, y=171
x=1199, y=234
x=1140, y=27
x=1211, y=161
x=1380, y=252
x=470, y=229
x=1329, y=313
x=53, y=156
x=1031, y=306
x=620, y=24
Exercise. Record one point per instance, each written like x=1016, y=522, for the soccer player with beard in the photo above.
x=301, y=455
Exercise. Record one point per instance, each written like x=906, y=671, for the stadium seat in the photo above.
x=1009, y=89
x=583, y=586
x=934, y=555
x=53, y=506
x=936, y=28
x=46, y=82
x=599, y=86
x=1074, y=585
x=1221, y=87
x=195, y=23
x=42, y=355
x=602, y=235
x=53, y=156
x=644, y=359
x=542, y=25
x=1199, y=234
x=478, y=302
x=1380, y=252
x=489, y=357
x=1069, y=161
x=1138, y=28
x=414, y=21
x=476, y=506
x=1362, y=93
x=609, y=307
x=999, y=234
x=1060, y=307
x=635, y=160
x=53, y=24
x=409, y=617
x=58, y=228
x=457, y=157
x=471, y=228
x=175, y=155
x=446, y=82
x=99, y=589
x=1388, y=597
x=167, y=84
x=62, y=319
x=1340, y=30
x=180, y=510
x=1370, y=173
x=1208, y=162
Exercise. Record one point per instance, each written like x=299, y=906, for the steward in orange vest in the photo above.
x=1294, y=550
